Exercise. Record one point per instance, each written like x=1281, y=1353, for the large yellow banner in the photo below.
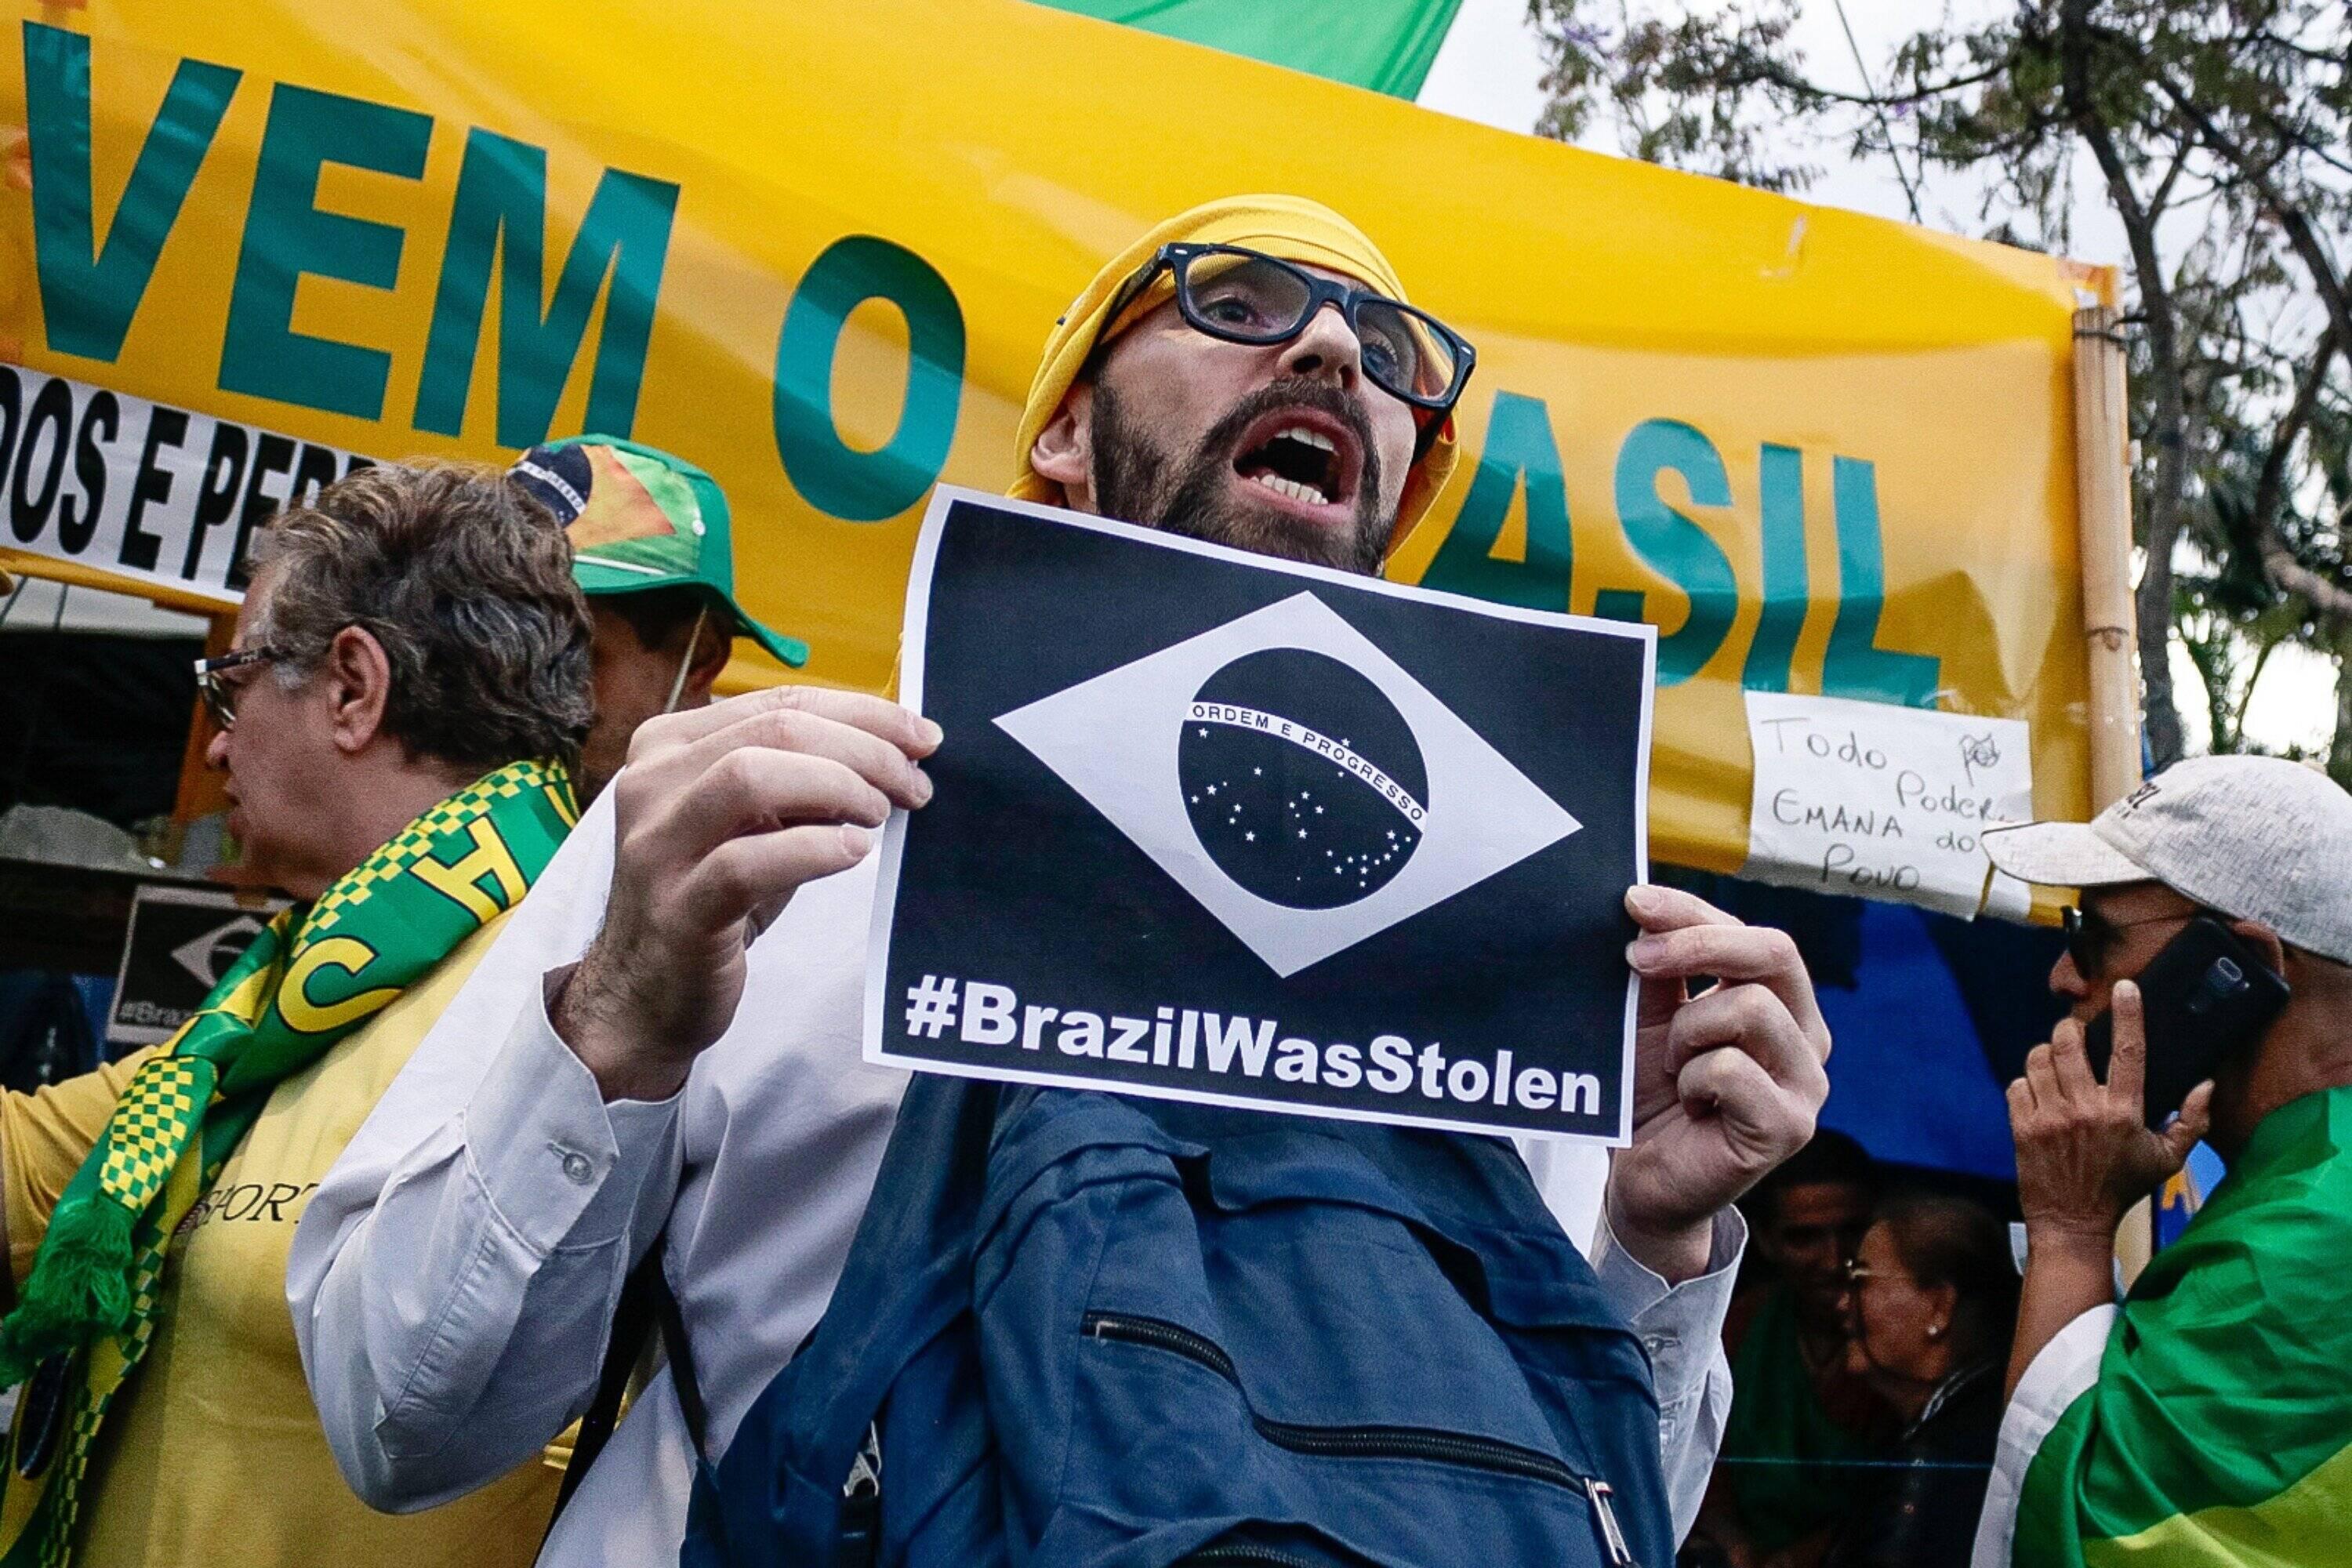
x=816, y=249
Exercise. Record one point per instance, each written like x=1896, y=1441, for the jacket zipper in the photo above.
x=1244, y=1557
x=1620, y=1554
x=1369, y=1441
x=860, y=1542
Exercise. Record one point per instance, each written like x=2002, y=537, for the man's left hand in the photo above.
x=1725, y=1082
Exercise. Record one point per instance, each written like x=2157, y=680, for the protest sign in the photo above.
x=1883, y=802
x=1820, y=452
x=180, y=941
x=1218, y=827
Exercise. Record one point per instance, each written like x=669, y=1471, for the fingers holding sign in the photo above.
x=1727, y=1082
x=879, y=741
x=721, y=815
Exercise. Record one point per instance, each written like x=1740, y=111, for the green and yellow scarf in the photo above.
x=93, y=1298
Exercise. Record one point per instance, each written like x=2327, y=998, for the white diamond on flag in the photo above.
x=1115, y=740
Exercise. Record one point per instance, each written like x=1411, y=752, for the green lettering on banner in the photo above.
x=1518, y=442
x=1781, y=473
x=1619, y=605
x=1855, y=665
x=89, y=292
x=835, y=478
x=1681, y=551
x=501, y=208
x=285, y=235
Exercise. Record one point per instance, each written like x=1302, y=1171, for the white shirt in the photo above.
x=454, y=1278
x=2056, y=1378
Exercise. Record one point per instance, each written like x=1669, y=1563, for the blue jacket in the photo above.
x=1089, y=1331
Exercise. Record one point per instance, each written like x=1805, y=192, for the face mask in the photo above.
x=693, y=639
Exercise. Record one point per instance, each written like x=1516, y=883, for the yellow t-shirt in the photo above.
x=212, y=1454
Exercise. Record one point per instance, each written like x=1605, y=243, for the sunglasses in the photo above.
x=2092, y=938
x=219, y=695
x=1244, y=296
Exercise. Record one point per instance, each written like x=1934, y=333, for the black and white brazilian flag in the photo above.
x=1220, y=827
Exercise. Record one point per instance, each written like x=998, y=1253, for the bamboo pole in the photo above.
x=2102, y=513
x=2103, y=508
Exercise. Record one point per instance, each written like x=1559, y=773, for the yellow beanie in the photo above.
x=1291, y=227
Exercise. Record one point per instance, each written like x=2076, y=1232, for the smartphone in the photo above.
x=2204, y=995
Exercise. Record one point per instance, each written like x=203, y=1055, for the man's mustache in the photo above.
x=1299, y=392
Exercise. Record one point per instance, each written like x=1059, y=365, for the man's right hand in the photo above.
x=720, y=816
x=2084, y=1153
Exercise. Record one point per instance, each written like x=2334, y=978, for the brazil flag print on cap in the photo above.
x=639, y=520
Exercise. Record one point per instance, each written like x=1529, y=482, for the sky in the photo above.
x=1489, y=70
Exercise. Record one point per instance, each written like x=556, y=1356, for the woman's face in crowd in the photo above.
x=1899, y=1328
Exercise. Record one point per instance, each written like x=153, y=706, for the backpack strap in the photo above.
x=778, y=1493
x=647, y=1304
x=680, y=1355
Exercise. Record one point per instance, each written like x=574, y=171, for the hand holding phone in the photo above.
x=2204, y=995
x=2085, y=1153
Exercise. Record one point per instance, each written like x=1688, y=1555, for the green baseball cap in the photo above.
x=641, y=519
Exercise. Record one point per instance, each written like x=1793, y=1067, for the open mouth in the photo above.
x=1301, y=455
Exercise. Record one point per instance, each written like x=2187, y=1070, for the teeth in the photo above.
x=1312, y=438
x=1290, y=488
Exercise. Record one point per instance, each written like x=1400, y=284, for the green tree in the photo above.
x=2217, y=130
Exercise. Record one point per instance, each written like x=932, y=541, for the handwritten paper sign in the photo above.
x=1869, y=799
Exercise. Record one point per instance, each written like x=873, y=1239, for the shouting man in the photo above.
x=667, y=1045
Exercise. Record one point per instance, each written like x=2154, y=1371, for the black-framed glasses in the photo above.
x=2092, y=938
x=220, y=696
x=1246, y=296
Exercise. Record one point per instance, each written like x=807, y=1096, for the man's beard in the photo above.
x=1204, y=498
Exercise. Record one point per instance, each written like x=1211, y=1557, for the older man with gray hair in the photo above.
x=406, y=694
